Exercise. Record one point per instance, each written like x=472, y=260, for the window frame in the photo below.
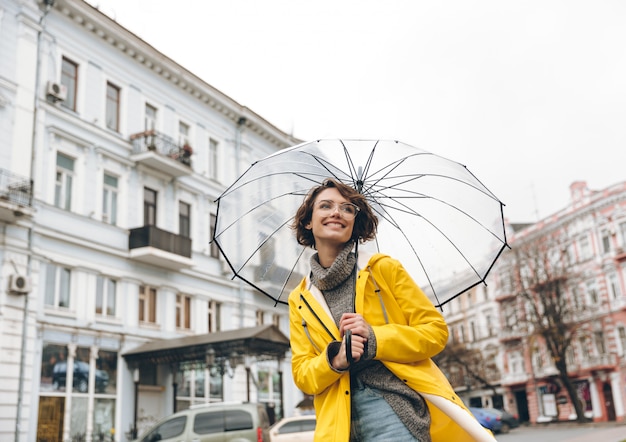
x=110, y=197
x=69, y=79
x=61, y=276
x=214, y=250
x=183, y=311
x=150, y=206
x=213, y=158
x=184, y=219
x=103, y=286
x=150, y=119
x=113, y=100
x=64, y=181
x=147, y=307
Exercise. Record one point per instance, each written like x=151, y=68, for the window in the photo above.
x=109, y=199
x=214, y=250
x=150, y=117
x=516, y=362
x=276, y=319
x=113, y=107
x=183, y=312
x=584, y=349
x=57, y=286
x=184, y=219
x=63, y=184
x=614, y=289
x=490, y=325
x=621, y=334
x=606, y=241
x=147, y=304
x=149, y=207
x=592, y=292
x=214, y=317
x=598, y=340
x=183, y=133
x=576, y=298
x=168, y=429
x=106, y=289
x=473, y=335
x=585, y=247
x=622, y=231
x=69, y=79
x=259, y=317
x=212, y=166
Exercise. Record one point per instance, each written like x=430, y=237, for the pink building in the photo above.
x=588, y=239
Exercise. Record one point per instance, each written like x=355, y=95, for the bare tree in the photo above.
x=542, y=281
x=467, y=366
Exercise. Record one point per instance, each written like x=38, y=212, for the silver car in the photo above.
x=213, y=423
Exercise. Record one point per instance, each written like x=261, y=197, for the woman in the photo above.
x=385, y=386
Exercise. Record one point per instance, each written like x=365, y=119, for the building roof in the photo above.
x=263, y=342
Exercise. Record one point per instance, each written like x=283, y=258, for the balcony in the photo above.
x=512, y=333
x=16, y=196
x=160, y=152
x=595, y=363
x=514, y=378
x=151, y=245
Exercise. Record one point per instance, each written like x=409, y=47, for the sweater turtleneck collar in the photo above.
x=337, y=273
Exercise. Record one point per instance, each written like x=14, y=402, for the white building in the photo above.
x=111, y=159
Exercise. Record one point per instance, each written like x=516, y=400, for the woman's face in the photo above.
x=330, y=221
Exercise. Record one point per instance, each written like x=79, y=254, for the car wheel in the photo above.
x=505, y=428
x=82, y=385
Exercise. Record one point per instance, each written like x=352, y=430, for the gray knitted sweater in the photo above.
x=337, y=284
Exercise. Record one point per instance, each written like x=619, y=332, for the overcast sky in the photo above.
x=529, y=95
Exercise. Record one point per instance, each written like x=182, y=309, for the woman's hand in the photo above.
x=360, y=330
x=355, y=323
x=340, y=361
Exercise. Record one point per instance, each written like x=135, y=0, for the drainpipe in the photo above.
x=48, y=4
x=241, y=124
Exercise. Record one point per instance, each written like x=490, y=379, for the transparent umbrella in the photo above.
x=434, y=215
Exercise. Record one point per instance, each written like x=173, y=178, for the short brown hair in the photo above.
x=365, y=223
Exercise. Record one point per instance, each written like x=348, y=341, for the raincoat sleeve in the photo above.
x=311, y=369
x=414, y=329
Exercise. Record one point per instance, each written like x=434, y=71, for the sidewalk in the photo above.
x=604, y=434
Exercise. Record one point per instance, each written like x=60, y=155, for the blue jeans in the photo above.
x=373, y=419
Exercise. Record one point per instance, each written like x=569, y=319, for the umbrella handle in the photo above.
x=348, y=335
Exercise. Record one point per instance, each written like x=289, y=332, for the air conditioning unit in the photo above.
x=19, y=284
x=56, y=91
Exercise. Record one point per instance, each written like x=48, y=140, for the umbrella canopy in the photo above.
x=434, y=215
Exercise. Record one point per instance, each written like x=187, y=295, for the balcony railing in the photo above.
x=161, y=152
x=159, y=247
x=511, y=333
x=514, y=378
x=600, y=362
x=16, y=195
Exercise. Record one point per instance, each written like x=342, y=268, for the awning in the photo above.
x=264, y=342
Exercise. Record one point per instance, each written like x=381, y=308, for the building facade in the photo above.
x=577, y=257
x=588, y=238
x=111, y=159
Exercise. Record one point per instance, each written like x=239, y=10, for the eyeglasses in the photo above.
x=347, y=211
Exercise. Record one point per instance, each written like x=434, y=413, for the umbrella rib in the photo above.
x=282, y=289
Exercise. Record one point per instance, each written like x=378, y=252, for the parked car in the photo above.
x=487, y=419
x=80, y=378
x=293, y=429
x=213, y=422
x=508, y=420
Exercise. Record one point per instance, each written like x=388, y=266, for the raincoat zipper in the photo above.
x=303, y=299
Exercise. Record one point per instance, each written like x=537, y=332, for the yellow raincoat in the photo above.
x=409, y=331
